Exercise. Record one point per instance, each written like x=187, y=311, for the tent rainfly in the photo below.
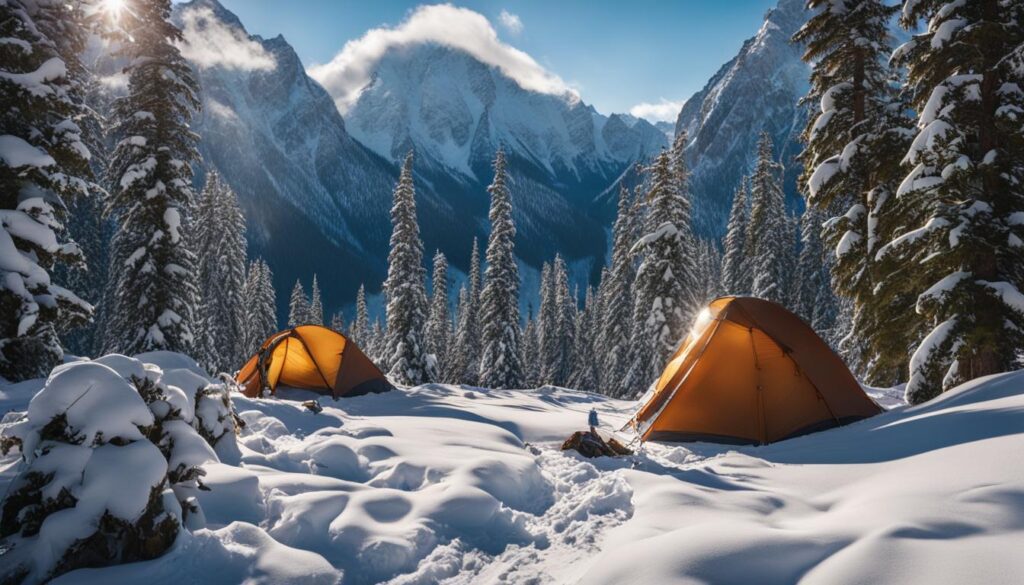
x=313, y=358
x=751, y=372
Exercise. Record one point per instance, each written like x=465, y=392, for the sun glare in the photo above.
x=113, y=8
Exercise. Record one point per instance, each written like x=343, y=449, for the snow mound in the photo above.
x=458, y=485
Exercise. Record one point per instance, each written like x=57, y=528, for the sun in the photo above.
x=113, y=8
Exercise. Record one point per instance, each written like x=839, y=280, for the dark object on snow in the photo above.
x=313, y=406
x=592, y=419
x=592, y=445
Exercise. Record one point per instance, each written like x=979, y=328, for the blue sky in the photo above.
x=616, y=54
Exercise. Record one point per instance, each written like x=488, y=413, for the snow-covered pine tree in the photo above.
x=44, y=165
x=963, y=249
x=617, y=303
x=851, y=168
x=500, y=365
x=361, y=332
x=439, y=324
x=682, y=208
x=584, y=362
x=378, y=342
x=316, y=304
x=405, y=354
x=260, y=301
x=221, y=252
x=813, y=299
x=769, y=236
x=557, y=324
x=298, y=306
x=154, y=279
x=466, y=359
x=709, y=272
x=338, y=322
x=547, y=327
x=531, y=352
x=737, y=278
x=664, y=285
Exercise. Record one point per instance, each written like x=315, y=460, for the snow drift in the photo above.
x=462, y=485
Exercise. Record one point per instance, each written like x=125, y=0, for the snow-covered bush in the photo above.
x=113, y=454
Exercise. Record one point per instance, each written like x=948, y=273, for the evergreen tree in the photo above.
x=531, y=352
x=154, y=282
x=466, y=361
x=812, y=292
x=221, y=251
x=737, y=278
x=960, y=206
x=709, y=272
x=617, y=302
x=260, y=301
x=361, y=332
x=405, y=353
x=664, y=287
x=338, y=322
x=769, y=236
x=439, y=325
x=500, y=365
x=44, y=166
x=298, y=306
x=558, y=319
x=316, y=305
x=585, y=367
x=851, y=169
x=547, y=327
x=378, y=341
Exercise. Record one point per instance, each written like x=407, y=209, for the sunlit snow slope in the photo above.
x=442, y=484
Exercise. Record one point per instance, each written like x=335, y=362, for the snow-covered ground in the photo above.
x=444, y=484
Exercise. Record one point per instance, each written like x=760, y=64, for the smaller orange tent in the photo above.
x=313, y=358
x=751, y=372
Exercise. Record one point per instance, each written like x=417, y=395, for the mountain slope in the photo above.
x=757, y=90
x=456, y=110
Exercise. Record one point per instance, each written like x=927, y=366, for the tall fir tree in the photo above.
x=361, y=332
x=851, y=170
x=466, y=358
x=439, y=324
x=405, y=353
x=154, y=282
x=813, y=298
x=338, y=322
x=737, y=277
x=260, y=301
x=316, y=304
x=664, y=287
x=298, y=306
x=769, y=234
x=547, y=326
x=961, y=206
x=500, y=365
x=44, y=166
x=531, y=352
x=617, y=303
x=584, y=362
x=709, y=272
x=221, y=252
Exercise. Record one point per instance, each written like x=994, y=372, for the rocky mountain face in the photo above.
x=756, y=91
x=455, y=111
x=316, y=189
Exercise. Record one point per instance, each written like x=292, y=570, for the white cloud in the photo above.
x=511, y=22
x=220, y=110
x=663, y=111
x=209, y=42
x=460, y=28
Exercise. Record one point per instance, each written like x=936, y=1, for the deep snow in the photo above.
x=462, y=485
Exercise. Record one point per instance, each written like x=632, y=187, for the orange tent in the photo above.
x=751, y=372
x=314, y=358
